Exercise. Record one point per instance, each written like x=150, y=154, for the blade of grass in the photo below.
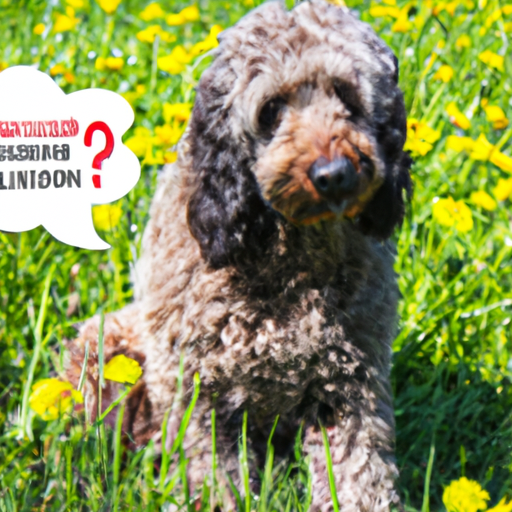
x=425, y=507
x=37, y=331
x=330, y=473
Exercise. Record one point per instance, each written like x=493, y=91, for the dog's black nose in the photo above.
x=333, y=180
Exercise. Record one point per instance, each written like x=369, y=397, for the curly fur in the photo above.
x=282, y=305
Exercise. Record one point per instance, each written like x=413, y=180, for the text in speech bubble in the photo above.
x=60, y=154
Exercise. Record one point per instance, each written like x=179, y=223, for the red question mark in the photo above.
x=104, y=153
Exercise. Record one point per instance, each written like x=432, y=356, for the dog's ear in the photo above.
x=226, y=213
x=387, y=208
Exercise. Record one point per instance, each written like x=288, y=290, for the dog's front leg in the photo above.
x=361, y=449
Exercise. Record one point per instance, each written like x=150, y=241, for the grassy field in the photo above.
x=453, y=355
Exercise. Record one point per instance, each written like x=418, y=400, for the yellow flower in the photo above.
x=420, y=137
x=459, y=144
x=507, y=9
x=152, y=12
x=156, y=159
x=495, y=16
x=123, y=369
x=496, y=115
x=106, y=216
x=109, y=6
x=149, y=34
x=140, y=141
x=52, y=397
x=378, y=11
x=65, y=22
x=484, y=200
x=190, y=13
x=444, y=73
x=465, y=495
x=168, y=135
x=170, y=157
x=457, y=117
x=484, y=150
x=3, y=65
x=448, y=212
x=176, y=61
x=179, y=111
x=58, y=69
x=492, y=59
x=69, y=77
x=208, y=43
x=503, y=189
x=501, y=160
x=464, y=41
x=402, y=23
x=39, y=29
x=501, y=507
x=112, y=63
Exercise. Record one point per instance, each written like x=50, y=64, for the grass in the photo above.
x=452, y=357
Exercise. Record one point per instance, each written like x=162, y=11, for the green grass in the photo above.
x=452, y=357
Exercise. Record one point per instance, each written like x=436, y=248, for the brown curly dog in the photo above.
x=266, y=264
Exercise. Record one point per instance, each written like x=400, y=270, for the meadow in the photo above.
x=453, y=354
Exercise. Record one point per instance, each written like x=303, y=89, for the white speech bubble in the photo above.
x=46, y=169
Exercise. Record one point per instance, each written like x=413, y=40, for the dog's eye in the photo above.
x=270, y=114
x=347, y=94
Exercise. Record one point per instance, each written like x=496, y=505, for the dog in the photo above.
x=267, y=267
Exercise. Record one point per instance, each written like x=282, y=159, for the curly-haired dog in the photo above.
x=265, y=263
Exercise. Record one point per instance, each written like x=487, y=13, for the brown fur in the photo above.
x=278, y=314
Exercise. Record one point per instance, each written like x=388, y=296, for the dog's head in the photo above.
x=300, y=117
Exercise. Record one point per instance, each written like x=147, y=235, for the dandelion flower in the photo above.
x=208, y=43
x=420, y=137
x=459, y=144
x=449, y=212
x=379, y=11
x=465, y=495
x=149, y=34
x=152, y=12
x=501, y=507
x=464, y=41
x=176, y=61
x=52, y=397
x=444, y=73
x=109, y=6
x=168, y=135
x=186, y=15
x=65, y=22
x=39, y=29
x=402, y=23
x=484, y=200
x=58, y=69
x=457, y=117
x=179, y=111
x=140, y=141
x=170, y=157
x=503, y=189
x=492, y=59
x=122, y=369
x=106, y=216
x=496, y=116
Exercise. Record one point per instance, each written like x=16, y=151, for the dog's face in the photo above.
x=300, y=114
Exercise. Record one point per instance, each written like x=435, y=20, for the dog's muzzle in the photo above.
x=335, y=181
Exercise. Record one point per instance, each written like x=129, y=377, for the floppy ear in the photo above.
x=387, y=208
x=226, y=213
